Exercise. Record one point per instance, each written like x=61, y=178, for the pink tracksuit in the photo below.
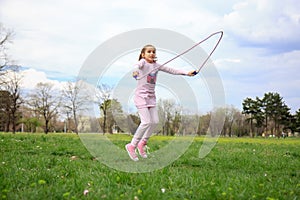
x=145, y=99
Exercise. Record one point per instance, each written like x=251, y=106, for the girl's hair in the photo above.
x=144, y=49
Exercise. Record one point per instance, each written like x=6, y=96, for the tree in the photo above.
x=104, y=107
x=45, y=102
x=13, y=86
x=253, y=112
x=31, y=123
x=231, y=117
x=176, y=122
x=290, y=123
x=94, y=125
x=164, y=112
x=115, y=117
x=203, y=124
x=189, y=122
x=103, y=100
x=238, y=127
x=5, y=116
x=75, y=100
x=170, y=116
x=5, y=39
x=249, y=109
x=110, y=109
x=269, y=112
x=275, y=111
x=297, y=121
x=217, y=121
x=281, y=117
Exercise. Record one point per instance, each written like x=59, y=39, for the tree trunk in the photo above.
x=46, y=126
x=251, y=127
x=75, y=121
x=104, y=121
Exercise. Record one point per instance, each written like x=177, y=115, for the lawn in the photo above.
x=59, y=166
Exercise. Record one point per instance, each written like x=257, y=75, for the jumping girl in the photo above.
x=145, y=99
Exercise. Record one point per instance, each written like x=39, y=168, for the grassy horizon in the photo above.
x=58, y=166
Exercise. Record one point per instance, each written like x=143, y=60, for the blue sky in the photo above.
x=260, y=51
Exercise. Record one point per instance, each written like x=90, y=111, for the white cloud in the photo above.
x=271, y=24
x=61, y=34
x=31, y=77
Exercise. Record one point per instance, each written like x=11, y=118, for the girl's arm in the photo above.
x=176, y=71
x=139, y=65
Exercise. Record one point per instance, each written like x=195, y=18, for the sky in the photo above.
x=259, y=52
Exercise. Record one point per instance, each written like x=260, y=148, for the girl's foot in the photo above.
x=131, y=152
x=141, y=148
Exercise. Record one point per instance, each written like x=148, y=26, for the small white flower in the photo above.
x=74, y=157
x=85, y=192
x=265, y=174
x=163, y=190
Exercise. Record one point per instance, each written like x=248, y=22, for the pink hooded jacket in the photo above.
x=145, y=90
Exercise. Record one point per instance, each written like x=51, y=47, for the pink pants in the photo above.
x=149, y=120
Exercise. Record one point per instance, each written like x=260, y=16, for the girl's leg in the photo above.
x=145, y=124
x=154, y=121
x=149, y=120
x=148, y=132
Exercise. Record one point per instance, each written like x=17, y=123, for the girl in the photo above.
x=145, y=99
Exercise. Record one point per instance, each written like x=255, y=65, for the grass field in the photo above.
x=58, y=166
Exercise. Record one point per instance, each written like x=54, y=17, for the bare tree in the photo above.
x=224, y=119
x=45, y=102
x=12, y=84
x=203, y=125
x=5, y=39
x=217, y=121
x=170, y=114
x=75, y=100
x=239, y=127
x=232, y=116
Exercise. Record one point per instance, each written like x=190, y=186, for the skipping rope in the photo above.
x=189, y=49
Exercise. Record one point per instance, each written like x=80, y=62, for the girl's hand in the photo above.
x=192, y=73
x=135, y=74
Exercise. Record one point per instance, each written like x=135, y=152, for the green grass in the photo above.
x=38, y=166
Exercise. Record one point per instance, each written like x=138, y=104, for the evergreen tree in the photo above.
x=276, y=112
x=297, y=121
x=252, y=109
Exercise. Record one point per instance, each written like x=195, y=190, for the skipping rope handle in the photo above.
x=135, y=74
x=195, y=72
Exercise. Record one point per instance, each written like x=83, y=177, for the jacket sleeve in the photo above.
x=139, y=64
x=173, y=71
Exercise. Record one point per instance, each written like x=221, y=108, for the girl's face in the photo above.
x=150, y=54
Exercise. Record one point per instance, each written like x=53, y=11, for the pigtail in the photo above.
x=140, y=57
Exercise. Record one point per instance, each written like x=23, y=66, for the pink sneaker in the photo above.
x=131, y=152
x=141, y=148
